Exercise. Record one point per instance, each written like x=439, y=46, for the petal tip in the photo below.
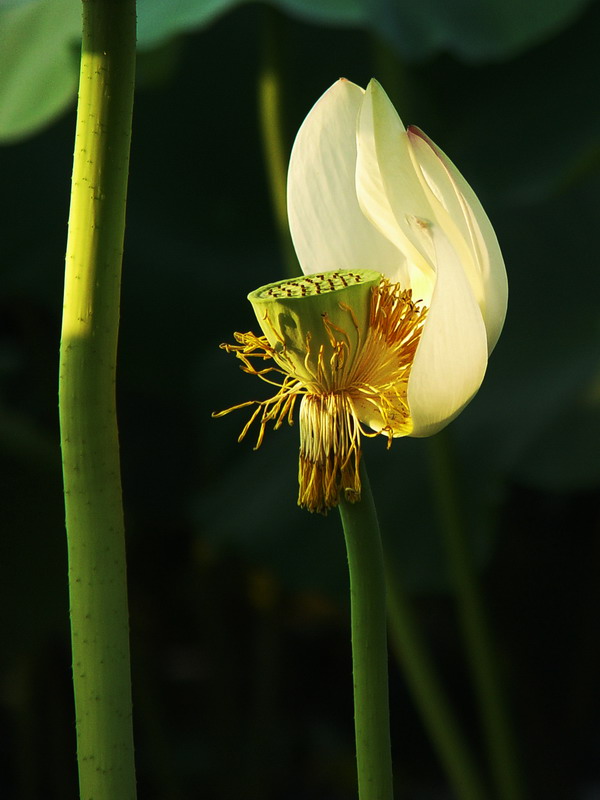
x=375, y=87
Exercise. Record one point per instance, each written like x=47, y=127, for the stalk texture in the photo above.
x=89, y=437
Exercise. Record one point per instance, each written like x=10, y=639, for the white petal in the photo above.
x=451, y=358
x=448, y=208
x=328, y=229
x=459, y=206
x=388, y=188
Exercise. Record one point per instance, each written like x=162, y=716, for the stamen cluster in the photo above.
x=355, y=384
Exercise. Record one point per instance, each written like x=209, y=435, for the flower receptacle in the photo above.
x=314, y=323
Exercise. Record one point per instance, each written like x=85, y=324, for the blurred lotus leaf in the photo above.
x=38, y=65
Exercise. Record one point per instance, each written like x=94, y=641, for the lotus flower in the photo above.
x=365, y=193
x=403, y=299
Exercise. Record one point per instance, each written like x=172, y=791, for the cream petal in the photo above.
x=460, y=205
x=328, y=229
x=388, y=188
x=448, y=209
x=451, y=358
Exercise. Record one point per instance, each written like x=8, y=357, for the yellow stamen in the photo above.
x=343, y=391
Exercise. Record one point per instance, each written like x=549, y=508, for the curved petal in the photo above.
x=388, y=188
x=328, y=229
x=447, y=205
x=451, y=358
x=459, y=205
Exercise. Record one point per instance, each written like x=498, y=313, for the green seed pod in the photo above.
x=314, y=323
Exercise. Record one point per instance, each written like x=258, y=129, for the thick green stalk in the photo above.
x=275, y=145
x=476, y=629
x=428, y=694
x=369, y=646
x=89, y=438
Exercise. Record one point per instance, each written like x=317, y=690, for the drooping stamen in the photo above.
x=329, y=451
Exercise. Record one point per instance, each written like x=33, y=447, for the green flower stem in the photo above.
x=369, y=645
x=428, y=694
x=276, y=148
x=89, y=438
x=476, y=629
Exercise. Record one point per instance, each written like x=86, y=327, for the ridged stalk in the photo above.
x=89, y=438
x=369, y=645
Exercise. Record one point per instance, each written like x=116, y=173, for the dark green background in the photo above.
x=242, y=676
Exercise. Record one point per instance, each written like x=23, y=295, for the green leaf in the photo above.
x=470, y=29
x=332, y=12
x=158, y=20
x=38, y=64
x=14, y=3
x=475, y=31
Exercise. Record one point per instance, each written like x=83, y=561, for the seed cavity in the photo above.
x=322, y=283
